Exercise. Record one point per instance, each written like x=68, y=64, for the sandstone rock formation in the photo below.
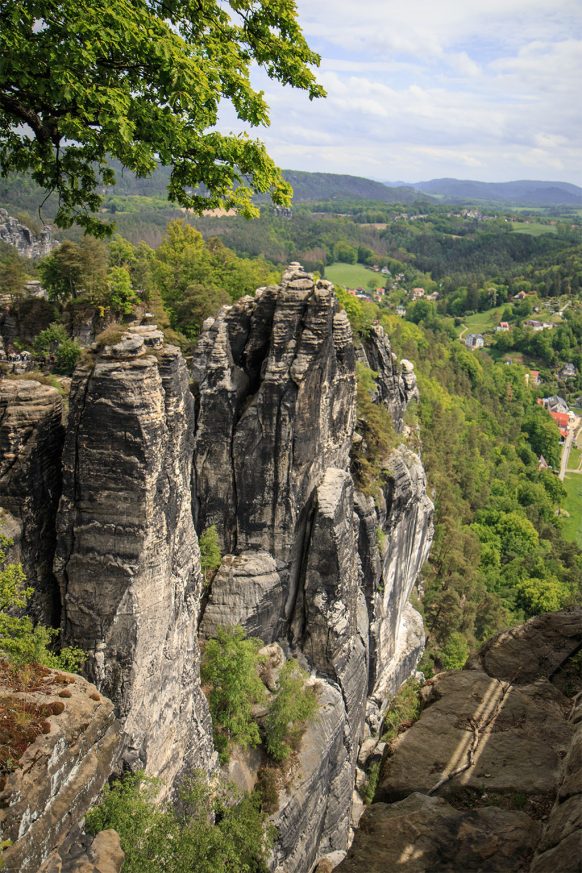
x=61, y=774
x=127, y=558
x=31, y=440
x=100, y=854
x=275, y=379
x=27, y=243
x=490, y=777
x=395, y=535
x=262, y=449
x=396, y=385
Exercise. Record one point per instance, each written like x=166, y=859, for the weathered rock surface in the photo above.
x=314, y=811
x=128, y=558
x=561, y=845
x=537, y=648
x=61, y=774
x=496, y=737
x=391, y=562
x=396, y=383
x=246, y=590
x=23, y=318
x=31, y=441
x=276, y=383
x=275, y=389
x=27, y=243
x=522, y=733
x=102, y=854
x=427, y=835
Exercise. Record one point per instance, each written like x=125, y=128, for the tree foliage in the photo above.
x=498, y=555
x=195, y=278
x=55, y=344
x=293, y=706
x=229, y=667
x=143, y=81
x=210, y=555
x=21, y=642
x=185, y=837
x=377, y=431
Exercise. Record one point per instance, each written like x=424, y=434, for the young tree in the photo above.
x=230, y=668
x=210, y=556
x=76, y=269
x=143, y=82
x=294, y=705
x=21, y=642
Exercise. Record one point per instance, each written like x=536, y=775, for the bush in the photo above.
x=210, y=556
x=403, y=711
x=453, y=655
x=379, y=436
x=371, y=783
x=229, y=667
x=267, y=779
x=156, y=838
x=289, y=713
x=21, y=642
x=54, y=343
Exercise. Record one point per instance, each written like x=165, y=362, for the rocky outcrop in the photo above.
x=395, y=530
x=395, y=535
x=247, y=591
x=23, y=318
x=261, y=448
x=31, y=440
x=60, y=775
x=27, y=243
x=422, y=834
x=128, y=559
x=275, y=379
x=396, y=382
x=100, y=854
x=494, y=756
x=276, y=382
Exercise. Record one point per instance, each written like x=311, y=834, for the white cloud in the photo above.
x=436, y=87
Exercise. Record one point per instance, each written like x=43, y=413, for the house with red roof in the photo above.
x=562, y=419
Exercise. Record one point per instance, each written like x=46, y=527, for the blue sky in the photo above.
x=418, y=89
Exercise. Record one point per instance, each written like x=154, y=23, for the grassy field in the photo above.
x=574, y=459
x=533, y=229
x=482, y=321
x=353, y=276
x=573, y=505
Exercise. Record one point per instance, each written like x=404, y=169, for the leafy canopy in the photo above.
x=156, y=838
x=21, y=642
x=229, y=667
x=143, y=81
x=294, y=705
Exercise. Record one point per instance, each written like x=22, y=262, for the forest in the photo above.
x=499, y=554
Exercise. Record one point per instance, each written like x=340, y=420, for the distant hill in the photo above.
x=520, y=193
x=333, y=186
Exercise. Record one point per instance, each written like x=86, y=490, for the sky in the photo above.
x=421, y=89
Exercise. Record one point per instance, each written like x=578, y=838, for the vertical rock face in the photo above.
x=396, y=384
x=62, y=771
x=276, y=412
x=395, y=536
x=31, y=440
x=276, y=408
x=28, y=244
x=128, y=558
